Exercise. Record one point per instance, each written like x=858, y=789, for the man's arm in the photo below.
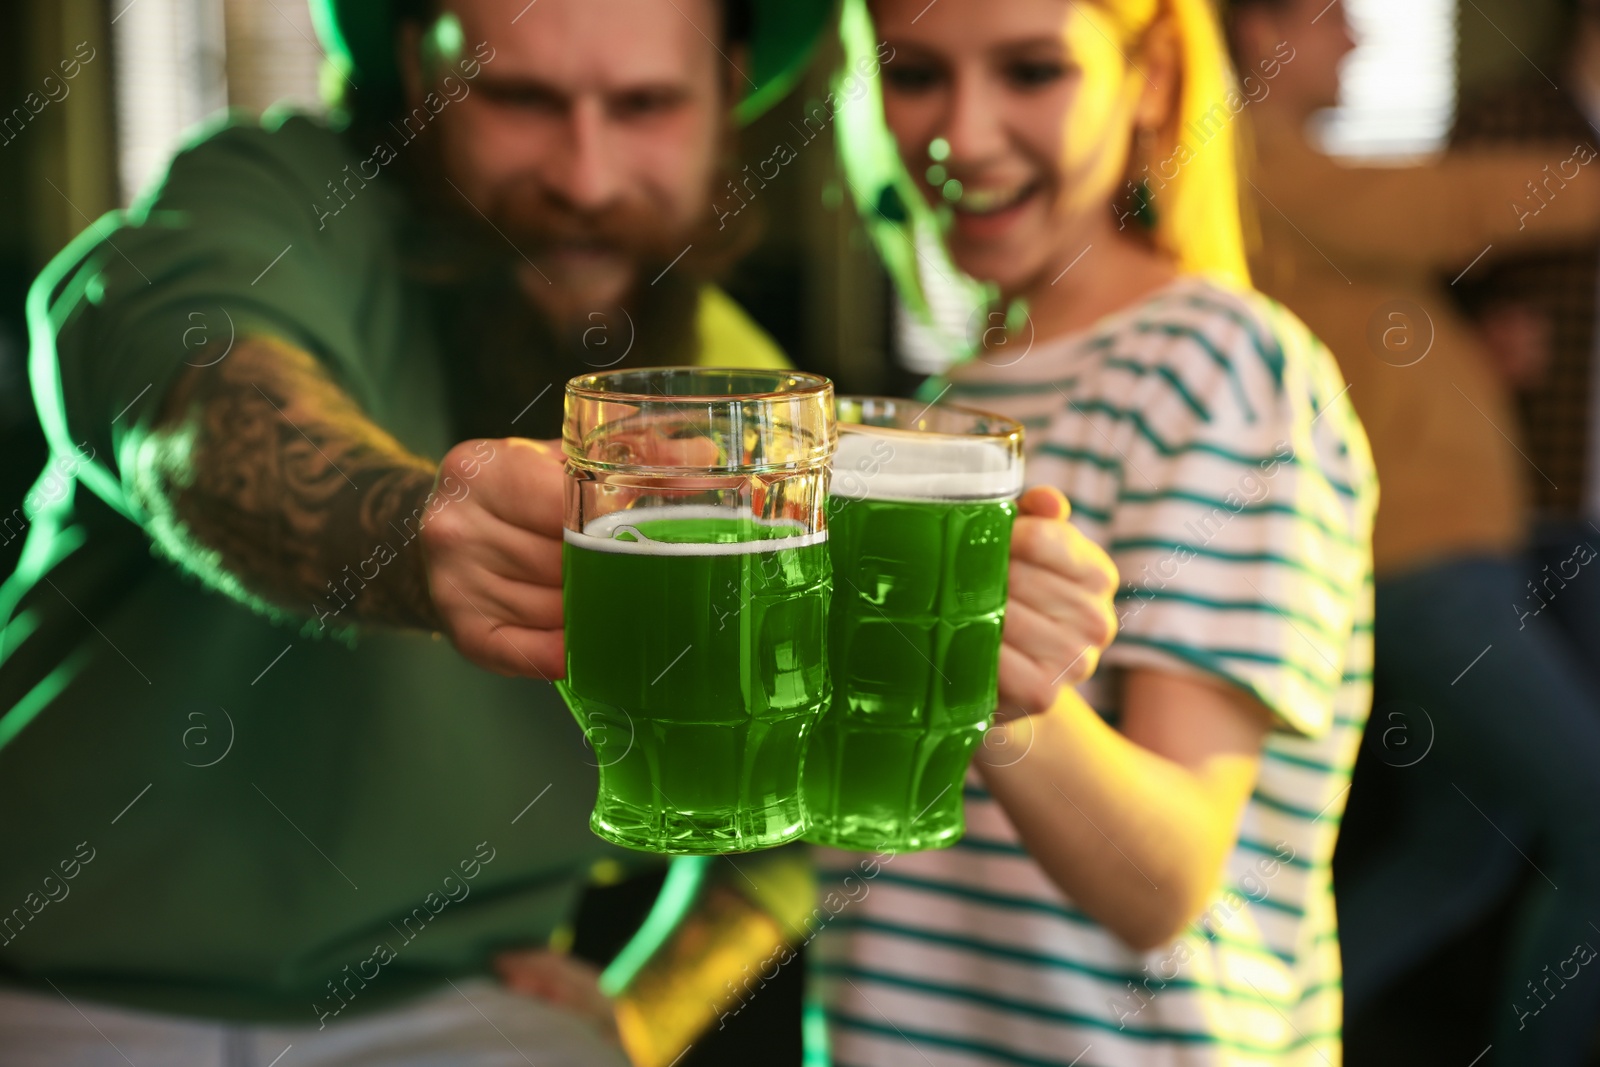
x=264, y=478
x=1438, y=214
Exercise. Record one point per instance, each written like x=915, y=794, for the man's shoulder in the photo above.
x=282, y=129
x=298, y=151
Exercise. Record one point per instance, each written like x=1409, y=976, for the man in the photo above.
x=306, y=812
x=256, y=799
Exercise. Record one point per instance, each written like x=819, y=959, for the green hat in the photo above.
x=359, y=36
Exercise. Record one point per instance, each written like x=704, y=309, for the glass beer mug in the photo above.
x=696, y=592
x=919, y=516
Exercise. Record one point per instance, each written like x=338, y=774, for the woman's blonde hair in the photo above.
x=1198, y=211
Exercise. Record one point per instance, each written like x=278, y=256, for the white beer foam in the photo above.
x=600, y=534
x=913, y=466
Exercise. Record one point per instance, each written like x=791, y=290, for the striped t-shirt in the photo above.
x=1204, y=439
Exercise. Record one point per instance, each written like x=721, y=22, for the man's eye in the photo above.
x=526, y=99
x=1033, y=74
x=909, y=78
x=643, y=105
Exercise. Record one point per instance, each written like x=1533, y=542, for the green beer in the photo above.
x=695, y=592
x=697, y=666
x=920, y=538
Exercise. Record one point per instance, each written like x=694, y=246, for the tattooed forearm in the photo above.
x=265, y=479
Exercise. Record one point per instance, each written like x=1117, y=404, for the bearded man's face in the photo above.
x=589, y=137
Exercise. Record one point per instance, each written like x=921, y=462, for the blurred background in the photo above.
x=158, y=67
x=149, y=70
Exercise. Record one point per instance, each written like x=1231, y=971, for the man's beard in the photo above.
x=520, y=225
x=508, y=340
x=621, y=242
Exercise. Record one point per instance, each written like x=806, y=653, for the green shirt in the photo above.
x=207, y=811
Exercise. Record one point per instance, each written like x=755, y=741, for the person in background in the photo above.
x=1538, y=307
x=1146, y=872
x=1501, y=715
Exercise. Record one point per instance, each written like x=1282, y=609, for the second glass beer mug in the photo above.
x=696, y=586
x=919, y=515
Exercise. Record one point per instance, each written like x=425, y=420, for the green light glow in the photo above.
x=952, y=190
x=936, y=175
x=900, y=218
x=1017, y=315
x=40, y=696
x=444, y=43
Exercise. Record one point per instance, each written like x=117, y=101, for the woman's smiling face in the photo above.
x=1036, y=102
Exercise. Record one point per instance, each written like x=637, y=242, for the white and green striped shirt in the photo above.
x=1204, y=440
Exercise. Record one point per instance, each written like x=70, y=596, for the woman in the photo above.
x=1367, y=255
x=1149, y=884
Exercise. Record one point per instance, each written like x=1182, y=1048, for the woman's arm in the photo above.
x=1135, y=825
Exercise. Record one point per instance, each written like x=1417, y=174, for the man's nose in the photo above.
x=588, y=178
